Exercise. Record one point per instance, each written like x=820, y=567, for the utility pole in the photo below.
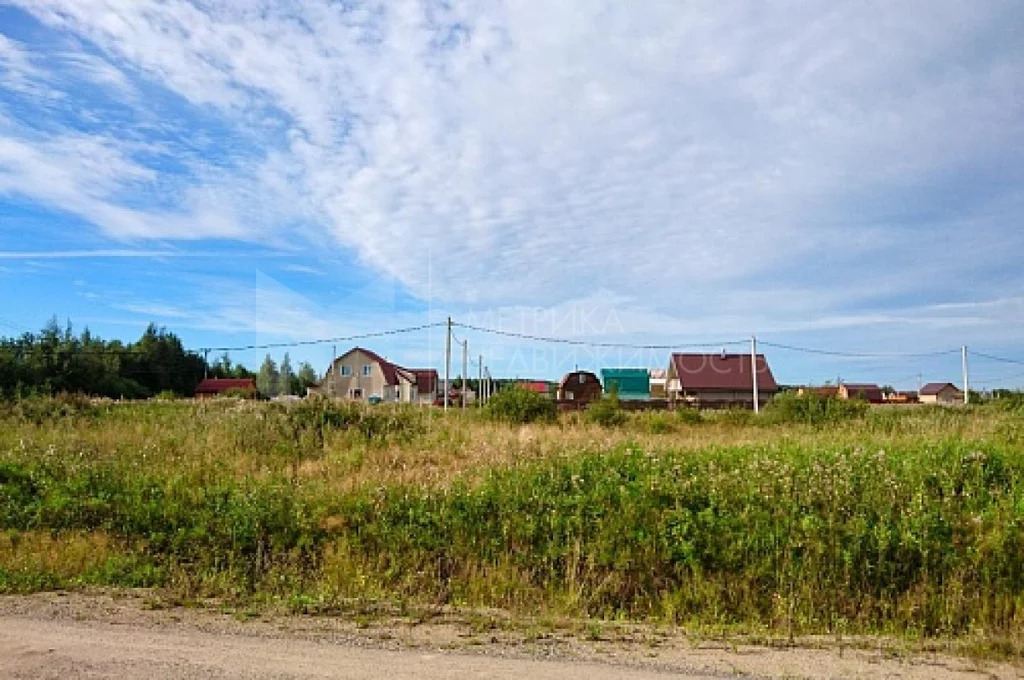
x=753, y=372
x=967, y=387
x=206, y=364
x=447, y=363
x=465, y=370
x=331, y=377
x=480, y=381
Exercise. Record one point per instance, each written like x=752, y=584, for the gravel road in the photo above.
x=129, y=635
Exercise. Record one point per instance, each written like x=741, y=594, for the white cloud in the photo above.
x=682, y=155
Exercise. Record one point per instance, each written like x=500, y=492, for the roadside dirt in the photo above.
x=136, y=634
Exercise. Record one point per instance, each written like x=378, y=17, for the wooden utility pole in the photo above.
x=465, y=370
x=753, y=372
x=967, y=387
x=447, y=363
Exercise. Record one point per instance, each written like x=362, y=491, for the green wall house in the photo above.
x=633, y=383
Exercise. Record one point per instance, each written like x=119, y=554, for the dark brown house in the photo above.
x=580, y=387
x=719, y=380
x=212, y=387
x=869, y=392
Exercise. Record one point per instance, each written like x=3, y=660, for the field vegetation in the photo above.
x=809, y=518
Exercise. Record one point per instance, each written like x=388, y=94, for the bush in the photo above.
x=516, y=405
x=689, y=416
x=810, y=409
x=606, y=411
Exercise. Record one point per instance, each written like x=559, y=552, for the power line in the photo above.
x=995, y=358
x=863, y=355
x=590, y=343
x=345, y=338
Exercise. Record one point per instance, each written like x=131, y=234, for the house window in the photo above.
x=346, y=371
x=367, y=370
x=356, y=393
x=582, y=378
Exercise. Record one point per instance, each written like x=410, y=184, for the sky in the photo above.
x=846, y=177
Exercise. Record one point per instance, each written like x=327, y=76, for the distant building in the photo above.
x=900, y=397
x=658, y=378
x=363, y=375
x=823, y=392
x=213, y=387
x=941, y=393
x=580, y=387
x=633, y=384
x=719, y=380
x=537, y=386
x=428, y=388
x=868, y=392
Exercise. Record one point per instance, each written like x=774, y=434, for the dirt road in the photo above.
x=125, y=636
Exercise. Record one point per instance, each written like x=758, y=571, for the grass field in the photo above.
x=901, y=521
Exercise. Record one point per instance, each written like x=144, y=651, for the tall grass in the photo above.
x=896, y=520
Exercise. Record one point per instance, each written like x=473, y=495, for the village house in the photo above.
x=719, y=380
x=428, y=387
x=868, y=392
x=632, y=384
x=658, y=378
x=823, y=392
x=579, y=387
x=941, y=393
x=214, y=387
x=363, y=375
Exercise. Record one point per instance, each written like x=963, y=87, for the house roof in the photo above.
x=869, y=391
x=538, y=386
x=392, y=372
x=215, y=385
x=825, y=391
x=722, y=372
x=426, y=379
x=934, y=388
x=572, y=378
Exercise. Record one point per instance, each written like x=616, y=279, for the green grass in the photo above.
x=907, y=521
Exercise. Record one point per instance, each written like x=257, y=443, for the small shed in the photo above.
x=580, y=387
x=941, y=393
x=633, y=384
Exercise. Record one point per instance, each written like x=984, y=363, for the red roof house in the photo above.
x=211, y=387
x=719, y=379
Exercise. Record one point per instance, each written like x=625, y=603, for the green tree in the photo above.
x=305, y=378
x=285, y=376
x=267, y=378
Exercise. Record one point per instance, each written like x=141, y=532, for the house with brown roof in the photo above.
x=868, y=392
x=428, y=387
x=718, y=380
x=363, y=375
x=941, y=393
x=823, y=392
x=215, y=387
x=579, y=387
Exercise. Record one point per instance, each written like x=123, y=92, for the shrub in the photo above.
x=689, y=416
x=606, y=411
x=516, y=405
x=810, y=409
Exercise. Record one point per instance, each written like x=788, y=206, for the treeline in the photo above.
x=58, y=360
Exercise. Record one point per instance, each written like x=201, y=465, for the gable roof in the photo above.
x=426, y=379
x=934, y=388
x=216, y=385
x=722, y=372
x=572, y=378
x=392, y=372
x=869, y=391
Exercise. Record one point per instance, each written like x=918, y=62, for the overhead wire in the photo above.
x=593, y=343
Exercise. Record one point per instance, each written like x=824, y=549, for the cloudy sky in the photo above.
x=840, y=176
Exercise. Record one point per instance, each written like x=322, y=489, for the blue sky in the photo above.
x=845, y=176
